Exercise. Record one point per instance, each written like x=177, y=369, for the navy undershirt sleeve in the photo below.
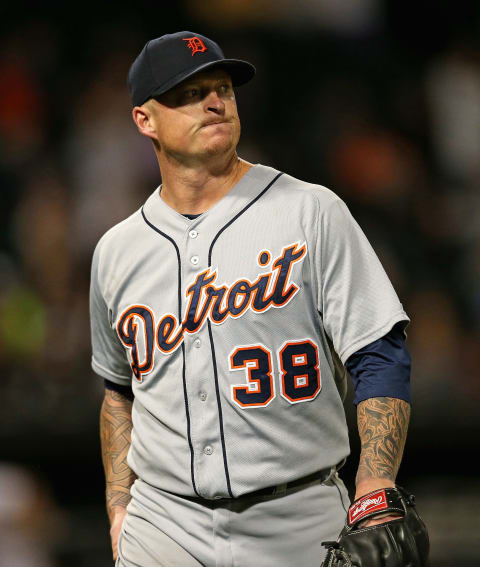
x=382, y=368
x=126, y=391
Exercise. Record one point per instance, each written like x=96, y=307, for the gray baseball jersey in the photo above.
x=230, y=329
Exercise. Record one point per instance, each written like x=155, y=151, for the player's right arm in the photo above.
x=109, y=361
x=115, y=437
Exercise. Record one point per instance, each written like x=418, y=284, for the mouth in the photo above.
x=215, y=123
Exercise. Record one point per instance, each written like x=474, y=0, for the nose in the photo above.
x=213, y=103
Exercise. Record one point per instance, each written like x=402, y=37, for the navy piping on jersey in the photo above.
x=220, y=413
x=214, y=360
x=239, y=214
x=185, y=393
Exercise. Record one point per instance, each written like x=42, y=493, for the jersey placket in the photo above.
x=208, y=459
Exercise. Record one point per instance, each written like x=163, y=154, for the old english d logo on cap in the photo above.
x=195, y=44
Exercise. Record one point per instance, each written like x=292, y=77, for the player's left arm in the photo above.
x=382, y=427
x=395, y=534
x=380, y=373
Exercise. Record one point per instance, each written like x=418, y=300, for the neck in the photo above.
x=193, y=189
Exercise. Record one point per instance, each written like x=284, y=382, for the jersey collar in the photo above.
x=246, y=189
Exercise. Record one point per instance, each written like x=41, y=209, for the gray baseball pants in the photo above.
x=166, y=530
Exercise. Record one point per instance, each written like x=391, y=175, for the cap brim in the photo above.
x=240, y=71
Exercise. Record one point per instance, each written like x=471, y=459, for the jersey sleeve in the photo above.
x=356, y=298
x=109, y=359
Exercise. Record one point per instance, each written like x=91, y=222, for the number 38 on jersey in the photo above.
x=299, y=379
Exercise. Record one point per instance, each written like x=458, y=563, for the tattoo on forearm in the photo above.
x=115, y=431
x=382, y=426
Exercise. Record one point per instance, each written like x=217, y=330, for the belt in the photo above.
x=323, y=475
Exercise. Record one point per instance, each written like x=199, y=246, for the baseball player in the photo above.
x=225, y=314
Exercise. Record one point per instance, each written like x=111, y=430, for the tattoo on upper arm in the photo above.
x=382, y=426
x=115, y=435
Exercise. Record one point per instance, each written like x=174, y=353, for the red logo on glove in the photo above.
x=195, y=44
x=369, y=503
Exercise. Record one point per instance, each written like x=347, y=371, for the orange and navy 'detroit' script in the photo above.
x=208, y=300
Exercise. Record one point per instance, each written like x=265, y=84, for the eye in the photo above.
x=192, y=92
x=188, y=95
x=225, y=88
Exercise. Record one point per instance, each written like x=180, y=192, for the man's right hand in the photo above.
x=115, y=527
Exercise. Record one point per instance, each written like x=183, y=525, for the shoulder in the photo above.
x=113, y=254
x=119, y=236
x=294, y=188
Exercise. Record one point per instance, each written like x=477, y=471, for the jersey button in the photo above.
x=194, y=260
x=208, y=450
x=193, y=234
x=197, y=343
x=203, y=396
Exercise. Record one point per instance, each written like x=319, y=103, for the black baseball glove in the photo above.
x=402, y=542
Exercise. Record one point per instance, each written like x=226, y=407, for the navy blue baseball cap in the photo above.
x=168, y=60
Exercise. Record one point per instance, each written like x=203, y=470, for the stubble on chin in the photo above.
x=219, y=144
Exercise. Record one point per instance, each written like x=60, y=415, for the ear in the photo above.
x=142, y=116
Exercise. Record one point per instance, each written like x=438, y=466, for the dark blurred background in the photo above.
x=378, y=100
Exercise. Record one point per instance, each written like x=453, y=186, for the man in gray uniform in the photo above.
x=224, y=313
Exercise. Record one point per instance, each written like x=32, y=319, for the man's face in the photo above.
x=198, y=118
